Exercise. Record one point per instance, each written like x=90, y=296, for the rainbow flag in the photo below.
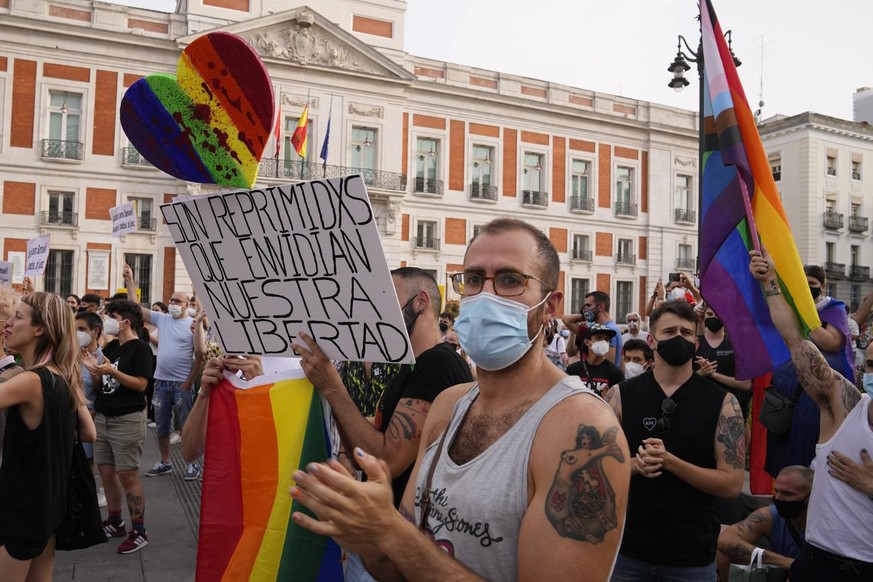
x=740, y=205
x=256, y=438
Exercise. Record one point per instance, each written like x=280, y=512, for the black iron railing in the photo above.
x=684, y=215
x=535, y=198
x=147, y=224
x=625, y=208
x=294, y=170
x=52, y=217
x=625, y=259
x=133, y=159
x=833, y=219
x=833, y=269
x=427, y=242
x=581, y=254
x=859, y=273
x=858, y=223
x=427, y=186
x=582, y=203
x=63, y=150
x=483, y=191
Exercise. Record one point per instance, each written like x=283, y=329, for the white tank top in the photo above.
x=476, y=508
x=840, y=518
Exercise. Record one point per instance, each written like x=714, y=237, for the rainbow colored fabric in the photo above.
x=736, y=174
x=256, y=438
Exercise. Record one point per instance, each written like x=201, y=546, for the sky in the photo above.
x=815, y=53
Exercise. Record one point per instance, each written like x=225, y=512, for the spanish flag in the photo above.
x=298, y=140
x=258, y=434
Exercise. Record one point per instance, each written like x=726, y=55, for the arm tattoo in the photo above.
x=731, y=434
x=739, y=554
x=581, y=502
x=403, y=425
x=849, y=393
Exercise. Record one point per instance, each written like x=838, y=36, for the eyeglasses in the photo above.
x=668, y=407
x=510, y=284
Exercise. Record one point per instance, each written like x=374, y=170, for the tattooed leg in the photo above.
x=581, y=502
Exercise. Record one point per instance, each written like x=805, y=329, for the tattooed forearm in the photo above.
x=740, y=553
x=731, y=435
x=581, y=502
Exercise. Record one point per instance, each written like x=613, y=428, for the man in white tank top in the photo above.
x=532, y=481
x=839, y=534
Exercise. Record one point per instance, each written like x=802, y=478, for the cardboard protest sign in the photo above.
x=37, y=256
x=5, y=273
x=123, y=219
x=268, y=263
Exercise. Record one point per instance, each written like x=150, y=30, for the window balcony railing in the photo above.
x=625, y=209
x=427, y=186
x=625, y=259
x=859, y=273
x=686, y=264
x=858, y=223
x=427, y=243
x=54, y=218
x=856, y=175
x=147, y=224
x=535, y=198
x=296, y=170
x=483, y=191
x=131, y=158
x=581, y=255
x=685, y=216
x=62, y=150
x=833, y=269
x=581, y=204
x=833, y=219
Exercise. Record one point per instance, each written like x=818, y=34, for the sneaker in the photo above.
x=159, y=469
x=153, y=424
x=135, y=542
x=113, y=531
x=192, y=472
x=175, y=438
x=101, y=497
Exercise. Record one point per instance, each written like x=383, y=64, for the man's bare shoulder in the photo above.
x=441, y=410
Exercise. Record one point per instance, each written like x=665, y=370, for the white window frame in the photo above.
x=495, y=165
x=155, y=212
x=46, y=88
x=570, y=280
x=439, y=154
x=377, y=144
x=634, y=166
x=74, y=275
x=591, y=160
x=589, y=247
x=437, y=233
x=45, y=197
x=526, y=149
x=620, y=311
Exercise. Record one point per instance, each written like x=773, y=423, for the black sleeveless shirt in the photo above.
x=669, y=522
x=35, y=473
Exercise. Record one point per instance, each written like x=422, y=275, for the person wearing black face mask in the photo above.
x=688, y=434
x=715, y=360
x=783, y=523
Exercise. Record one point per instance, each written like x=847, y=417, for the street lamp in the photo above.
x=679, y=67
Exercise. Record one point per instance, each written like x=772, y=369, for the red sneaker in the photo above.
x=135, y=542
x=113, y=531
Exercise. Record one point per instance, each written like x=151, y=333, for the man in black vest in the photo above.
x=688, y=434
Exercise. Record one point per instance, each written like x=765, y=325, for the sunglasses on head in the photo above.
x=668, y=407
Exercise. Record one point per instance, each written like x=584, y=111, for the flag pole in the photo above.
x=326, y=139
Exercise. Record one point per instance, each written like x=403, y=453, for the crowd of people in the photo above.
x=523, y=443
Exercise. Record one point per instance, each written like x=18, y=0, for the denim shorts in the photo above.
x=167, y=399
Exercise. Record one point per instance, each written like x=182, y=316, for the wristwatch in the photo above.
x=773, y=290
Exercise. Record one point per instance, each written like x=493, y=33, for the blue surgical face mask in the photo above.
x=493, y=330
x=868, y=383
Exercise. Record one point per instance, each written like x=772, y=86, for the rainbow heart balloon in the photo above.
x=211, y=122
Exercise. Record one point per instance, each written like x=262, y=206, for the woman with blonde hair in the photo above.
x=45, y=406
